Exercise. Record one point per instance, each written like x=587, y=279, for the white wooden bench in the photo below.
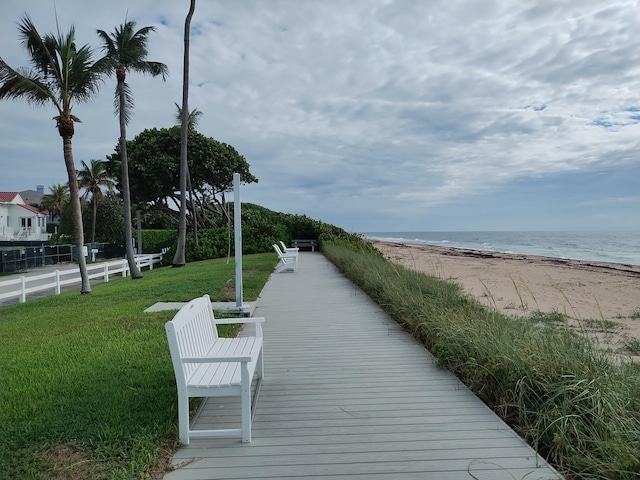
x=286, y=249
x=310, y=244
x=206, y=365
x=288, y=261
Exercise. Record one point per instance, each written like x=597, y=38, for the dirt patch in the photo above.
x=68, y=462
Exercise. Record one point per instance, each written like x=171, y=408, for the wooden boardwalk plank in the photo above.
x=349, y=395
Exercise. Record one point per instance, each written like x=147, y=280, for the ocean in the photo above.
x=615, y=247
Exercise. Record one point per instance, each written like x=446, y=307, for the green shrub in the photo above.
x=153, y=241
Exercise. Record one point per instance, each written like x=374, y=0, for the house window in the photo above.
x=26, y=222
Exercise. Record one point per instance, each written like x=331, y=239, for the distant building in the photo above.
x=32, y=197
x=21, y=221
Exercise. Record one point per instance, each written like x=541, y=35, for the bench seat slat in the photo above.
x=227, y=372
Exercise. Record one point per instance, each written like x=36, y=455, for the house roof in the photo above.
x=32, y=209
x=8, y=197
x=31, y=197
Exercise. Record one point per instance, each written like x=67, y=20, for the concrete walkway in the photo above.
x=349, y=395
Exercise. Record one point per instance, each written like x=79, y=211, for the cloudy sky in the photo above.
x=376, y=115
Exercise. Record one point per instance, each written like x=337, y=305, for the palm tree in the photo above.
x=60, y=74
x=93, y=178
x=126, y=50
x=192, y=119
x=192, y=122
x=54, y=200
x=179, y=259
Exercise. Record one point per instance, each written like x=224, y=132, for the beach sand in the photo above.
x=602, y=299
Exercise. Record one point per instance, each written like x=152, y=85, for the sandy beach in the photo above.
x=601, y=298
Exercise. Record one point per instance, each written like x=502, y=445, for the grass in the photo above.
x=87, y=388
x=578, y=407
x=86, y=382
x=631, y=345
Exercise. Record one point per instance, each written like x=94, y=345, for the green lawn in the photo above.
x=86, y=382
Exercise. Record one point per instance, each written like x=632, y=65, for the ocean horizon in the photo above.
x=612, y=247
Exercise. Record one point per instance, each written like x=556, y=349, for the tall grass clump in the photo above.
x=579, y=408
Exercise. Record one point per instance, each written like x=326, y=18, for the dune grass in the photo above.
x=86, y=383
x=570, y=400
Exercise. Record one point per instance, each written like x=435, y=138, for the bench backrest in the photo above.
x=191, y=333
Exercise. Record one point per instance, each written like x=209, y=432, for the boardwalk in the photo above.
x=349, y=395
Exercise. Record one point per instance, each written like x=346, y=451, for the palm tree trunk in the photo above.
x=76, y=213
x=139, y=230
x=179, y=258
x=126, y=195
x=93, y=226
x=193, y=210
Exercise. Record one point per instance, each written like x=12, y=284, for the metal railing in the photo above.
x=24, y=284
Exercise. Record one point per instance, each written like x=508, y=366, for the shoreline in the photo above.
x=601, y=298
x=478, y=253
x=619, y=247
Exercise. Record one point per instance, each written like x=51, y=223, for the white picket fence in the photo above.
x=24, y=284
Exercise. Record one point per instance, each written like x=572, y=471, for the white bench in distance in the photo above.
x=310, y=244
x=207, y=365
x=288, y=261
x=286, y=249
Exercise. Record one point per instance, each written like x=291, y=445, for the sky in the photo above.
x=375, y=115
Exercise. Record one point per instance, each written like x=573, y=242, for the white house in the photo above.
x=19, y=221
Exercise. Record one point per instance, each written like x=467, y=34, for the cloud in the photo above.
x=373, y=113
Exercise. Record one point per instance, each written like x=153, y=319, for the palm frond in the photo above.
x=40, y=53
x=128, y=103
x=25, y=83
x=151, y=68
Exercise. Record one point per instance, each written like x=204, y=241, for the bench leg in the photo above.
x=245, y=401
x=183, y=417
x=260, y=365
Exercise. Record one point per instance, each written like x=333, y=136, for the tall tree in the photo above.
x=192, y=122
x=60, y=74
x=54, y=200
x=93, y=178
x=179, y=258
x=126, y=50
x=154, y=161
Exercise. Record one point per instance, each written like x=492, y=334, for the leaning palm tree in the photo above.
x=179, y=259
x=126, y=50
x=54, y=200
x=93, y=178
x=60, y=74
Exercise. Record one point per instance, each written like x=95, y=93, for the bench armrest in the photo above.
x=218, y=359
x=245, y=356
x=227, y=321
